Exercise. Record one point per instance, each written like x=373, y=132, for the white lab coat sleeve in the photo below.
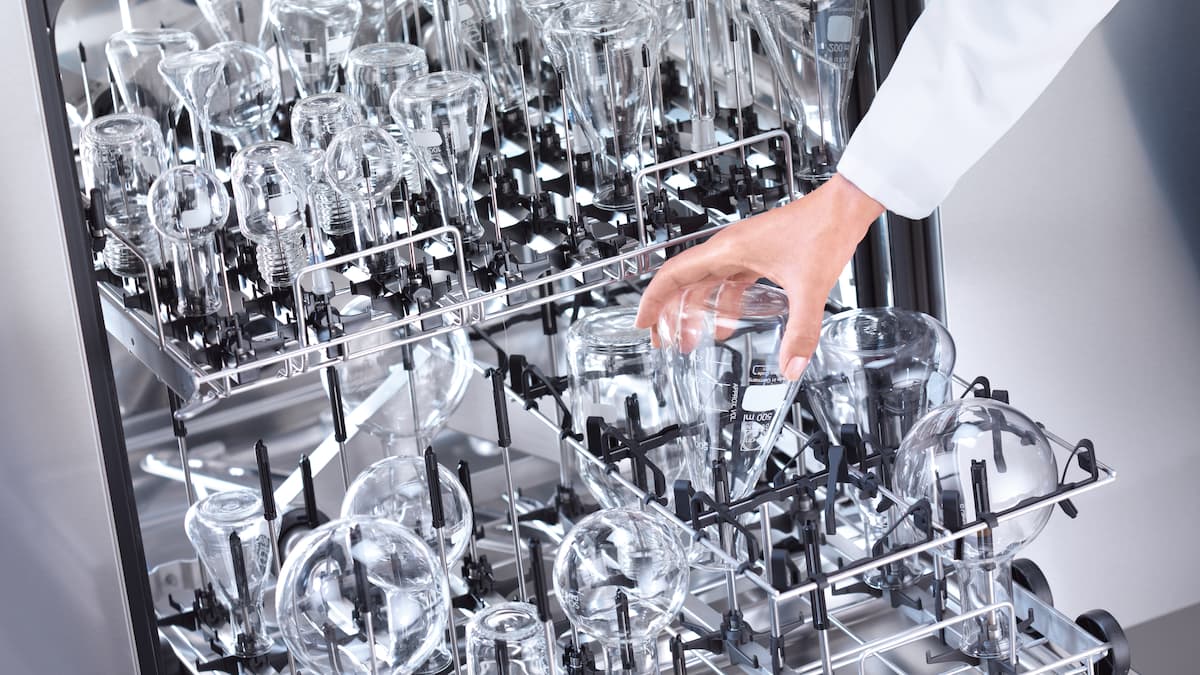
x=967, y=72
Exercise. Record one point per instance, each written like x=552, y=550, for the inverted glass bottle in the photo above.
x=373, y=74
x=133, y=56
x=514, y=629
x=231, y=539
x=363, y=164
x=618, y=375
x=241, y=105
x=240, y=20
x=487, y=34
x=121, y=156
x=315, y=122
x=880, y=370
x=813, y=46
x=316, y=36
x=607, y=86
x=270, y=192
x=441, y=116
x=188, y=205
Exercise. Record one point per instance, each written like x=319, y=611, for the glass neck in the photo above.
x=629, y=658
x=982, y=585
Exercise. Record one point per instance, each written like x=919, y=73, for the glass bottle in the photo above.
x=396, y=488
x=231, y=539
x=192, y=75
x=188, y=205
x=361, y=595
x=988, y=457
x=375, y=71
x=363, y=164
x=242, y=104
x=441, y=116
x=316, y=36
x=607, y=87
x=240, y=20
x=617, y=374
x=133, y=57
x=621, y=578
x=511, y=627
x=316, y=120
x=425, y=383
x=487, y=33
x=880, y=370
x=813, y=47
x=270, y=192
x=121, y=155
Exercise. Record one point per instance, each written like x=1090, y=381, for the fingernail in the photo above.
x=795, y=368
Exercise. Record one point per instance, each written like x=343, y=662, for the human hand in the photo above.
x=802, y=247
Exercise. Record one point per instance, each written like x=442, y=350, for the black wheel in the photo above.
x=1030, y=576
x=1103, y=626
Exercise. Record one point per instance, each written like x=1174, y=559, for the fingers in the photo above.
x=806, y=310
x=689, y=267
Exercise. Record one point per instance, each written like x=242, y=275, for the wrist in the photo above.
x=850, y=205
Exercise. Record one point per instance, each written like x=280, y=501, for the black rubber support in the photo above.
x=1104, y=626
x=1027, y=573
x=311, y=515
x=541, y=597
x=265, y=486
x=433, y=478
x=336, y=405
x=503, y=434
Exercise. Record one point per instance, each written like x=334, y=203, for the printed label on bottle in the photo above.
x=282, y=205
x=338, y=45
x=426, y=138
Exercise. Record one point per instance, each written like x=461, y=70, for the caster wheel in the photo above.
x=1103, y=626
x=1030, y=576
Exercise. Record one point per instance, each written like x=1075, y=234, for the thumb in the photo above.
x=806, y=310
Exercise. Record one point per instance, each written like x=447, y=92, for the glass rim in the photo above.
x=522, y=632
x=385, y=55
x=159, y=35
x=609, y=330
x=930, y=325
x=119, y=129
x=441, y=85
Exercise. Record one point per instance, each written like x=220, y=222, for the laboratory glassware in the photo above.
x=397, y=488
x=621, y=577
x=375, y=71
x=240, y=20
x=233, y=544
x=602, y=42
x=361, y=589
x=121, y=155
x=486, y=30
x=618, y=375
x=421, y=385
x=240, y=106
x=315, y=122
x=441, y=116
x=880, y=370
x=133, y=56
x=316, y=36
x=188, y=205
x=270, y=190
x=721, y=343
x=514, y=629
x=979, y=456
x=813, y=46
x=192, y=75
x=364, y=165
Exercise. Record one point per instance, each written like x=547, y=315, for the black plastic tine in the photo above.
x=309, y=491
x=541, y=599
x=360, y=575
x=238, y=557
x=464, y=477
x=334, y=380
x=503, y=433
x=265, y=486
x=434, y=479
x=503, y=667
x=678, y=660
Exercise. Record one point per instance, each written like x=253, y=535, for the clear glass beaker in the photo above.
x=133, y=56
x=511, y=627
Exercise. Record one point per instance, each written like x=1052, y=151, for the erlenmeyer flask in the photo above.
x=441, y=117
x=980, y=456
x=539, y=13
x=618, y=375
x=602, y=42
x=240, y=20
x=133, y=56
x=357, y=583
x=813, y=46
x=191, y=75
x=121, y=156
x=419, y=398
x=487, y=34
x=242, y=104
x=881, y=370
x=233, y=544
x=722, y=347
x=621, y=577
x=316, y=36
